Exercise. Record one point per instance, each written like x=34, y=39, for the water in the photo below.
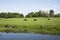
x=27, y=36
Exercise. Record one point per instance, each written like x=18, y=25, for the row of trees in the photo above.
x=31, y=14
x=11, y=15
x=37, y=14
x=42, y=14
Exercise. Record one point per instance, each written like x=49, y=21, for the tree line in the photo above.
x=42, y=14
x=31, y=14
x=11, y=15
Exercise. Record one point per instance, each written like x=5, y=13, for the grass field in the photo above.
x=40, y=25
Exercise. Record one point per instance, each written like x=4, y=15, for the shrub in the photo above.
x=49, y=19
x=7, y=26
x=35, y=19
x=14, y=26
x=6, y=30
x=25, y=19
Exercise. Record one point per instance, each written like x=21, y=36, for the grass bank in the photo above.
x=30, y=25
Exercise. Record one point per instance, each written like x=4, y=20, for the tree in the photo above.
x=57, y=15
x=3, y=15
x=51, y=13
x=10, y=15
x=40, y=14
x=35, y=14
x=30, y=14
x=46, y=14
x=21, y=15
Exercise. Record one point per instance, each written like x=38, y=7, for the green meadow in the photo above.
x=30, y=25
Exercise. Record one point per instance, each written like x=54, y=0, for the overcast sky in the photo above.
x=26, y=6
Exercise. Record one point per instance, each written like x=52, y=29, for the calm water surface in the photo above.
x=27, y=36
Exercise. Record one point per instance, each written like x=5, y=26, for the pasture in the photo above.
x=31, y=25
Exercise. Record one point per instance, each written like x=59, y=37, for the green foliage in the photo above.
x=25, y=19
x=57, y=15
x=10, y=26
x=51, y=13
x=30, y=15
x=11, y=15
x=49, y=19
x=37, y=14
x=35, y=19
x=7, y=26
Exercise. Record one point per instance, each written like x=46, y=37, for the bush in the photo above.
x=35, y=19
x=14, y=26
x=49, y=19
x=25, y=19
x=7, y=26
x=6, y=30
x=10, y=26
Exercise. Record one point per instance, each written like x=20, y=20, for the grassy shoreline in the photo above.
x=40, y=25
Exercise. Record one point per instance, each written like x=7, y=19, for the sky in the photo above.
x=26, y=6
